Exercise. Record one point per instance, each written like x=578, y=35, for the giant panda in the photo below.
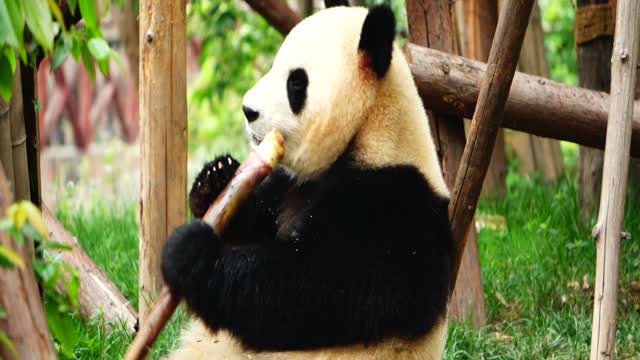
x=344, y=251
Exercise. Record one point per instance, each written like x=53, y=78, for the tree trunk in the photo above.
x=163, y=115
x=503, y=59
x=26, y=325
x=594, y=72
x=97, y=293
x=481, y=19
x=450, y=84
x=536, y=153
x=608, y=229
x=467, y=301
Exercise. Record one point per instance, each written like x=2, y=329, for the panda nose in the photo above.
x=250, y=114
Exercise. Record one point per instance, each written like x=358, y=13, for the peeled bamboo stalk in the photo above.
x=253, y=170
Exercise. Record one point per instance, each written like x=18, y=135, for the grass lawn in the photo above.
x=538, y=274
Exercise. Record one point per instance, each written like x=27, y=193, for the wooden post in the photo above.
x=494, y=91
x=608, y=228
x=481, y=19
x=26, y=325
x=97, y=292
x=163, y=117
x=467, y=300
x=19, y=142
x=536, y=153
x=594, y=72
x=450, y=84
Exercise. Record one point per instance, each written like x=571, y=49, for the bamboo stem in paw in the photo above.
x=252, y=171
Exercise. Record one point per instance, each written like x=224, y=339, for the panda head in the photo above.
x=323, y=82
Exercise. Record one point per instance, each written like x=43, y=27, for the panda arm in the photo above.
x=371, y=261
x=256, y=216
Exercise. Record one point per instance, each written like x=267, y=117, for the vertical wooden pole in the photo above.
x=21, y=183
x=481, y=19
x=503, y=59
x=467, y=301
x=163, y=117
x=608, y=228
x=21, y=187
x=594, y=72
x=26, y=325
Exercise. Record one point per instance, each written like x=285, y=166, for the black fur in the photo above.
x=210, y=182
x=297, y=84
x=363, y=256
x=376, y=38
x=332, y=3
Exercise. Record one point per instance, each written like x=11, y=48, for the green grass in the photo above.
x=527, y=269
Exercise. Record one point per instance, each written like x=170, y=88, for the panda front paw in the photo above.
x=188, y=257
x=212, y=179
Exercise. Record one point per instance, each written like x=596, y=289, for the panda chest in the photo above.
x=295, y=209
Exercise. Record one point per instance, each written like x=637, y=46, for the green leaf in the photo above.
x=54, y=245
x=39, y=22
x=6, y=79
x=55, y=10
x=7, y=33
x=87, y=60
x=4, y=339
x=61, y=325
x=103, y=65
x=99, y=48
x=61, y=51
x=88, y=12
x=5, y=224
x=72, y=4
x=76, y=48
x=3, y=313
x=9, y=256
x=11, y=17
x=11, y=58
x=30, y=232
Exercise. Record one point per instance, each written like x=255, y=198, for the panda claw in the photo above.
x=210, y=182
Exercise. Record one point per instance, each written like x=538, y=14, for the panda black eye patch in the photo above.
x=297, y=89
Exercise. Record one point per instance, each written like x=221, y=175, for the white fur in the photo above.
x=387, y=124
x=385, y=117
x=198, y=343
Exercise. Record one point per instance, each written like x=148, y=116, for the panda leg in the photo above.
x=211, y=180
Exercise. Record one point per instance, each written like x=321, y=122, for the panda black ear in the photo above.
x=332, y=3
x=376, y=38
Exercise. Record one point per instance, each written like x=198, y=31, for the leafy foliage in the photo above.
x=233, y=54
x=48, y=37
x=557, y=22
x=24, y=220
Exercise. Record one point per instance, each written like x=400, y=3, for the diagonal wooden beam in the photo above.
x=277, y=13
x=503, y=59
